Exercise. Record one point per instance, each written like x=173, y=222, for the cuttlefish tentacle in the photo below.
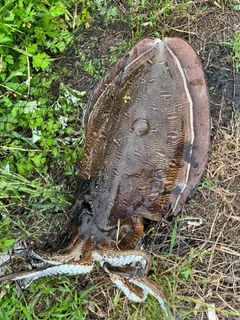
x=50, y=268
x=67, y=241
x=133, y=258
x=27, y=277
x=150, y=287
x=73, y=254
x=47, y=258
x=137, y=289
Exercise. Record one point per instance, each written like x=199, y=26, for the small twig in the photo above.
x=22, y=149
x=217, y=4
x=227, y=250
x=10, y=89
x=226, y=303
x=74, y=16
x=29, y=75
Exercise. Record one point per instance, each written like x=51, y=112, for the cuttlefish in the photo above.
x=147, y=127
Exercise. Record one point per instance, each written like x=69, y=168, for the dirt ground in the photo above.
x=209, y=248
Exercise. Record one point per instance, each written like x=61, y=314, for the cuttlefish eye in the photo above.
x=141, y=127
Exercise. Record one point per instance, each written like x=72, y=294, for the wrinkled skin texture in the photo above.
x=147, y=128
x=147, y=133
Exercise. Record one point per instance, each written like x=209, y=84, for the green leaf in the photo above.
x=32, y=48
x=10, y=17
x=9, y=59
x=4, y=39
x=15, y=74
x=22, y=51
x=41, y=60
x=56, y=11
x=6, y=244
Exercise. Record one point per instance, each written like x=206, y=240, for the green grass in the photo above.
x=38, y=196
x=33, y=137
x=147, y=15
x=58, y=298
x=235, y=45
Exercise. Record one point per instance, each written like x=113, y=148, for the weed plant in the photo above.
x=33, y=126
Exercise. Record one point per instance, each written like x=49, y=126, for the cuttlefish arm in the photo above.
x=44, y=267
x=25, y=278
x=137, y=289
x=126, y=269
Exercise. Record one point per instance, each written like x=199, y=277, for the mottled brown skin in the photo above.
x=147, y=128
x=198, y=90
